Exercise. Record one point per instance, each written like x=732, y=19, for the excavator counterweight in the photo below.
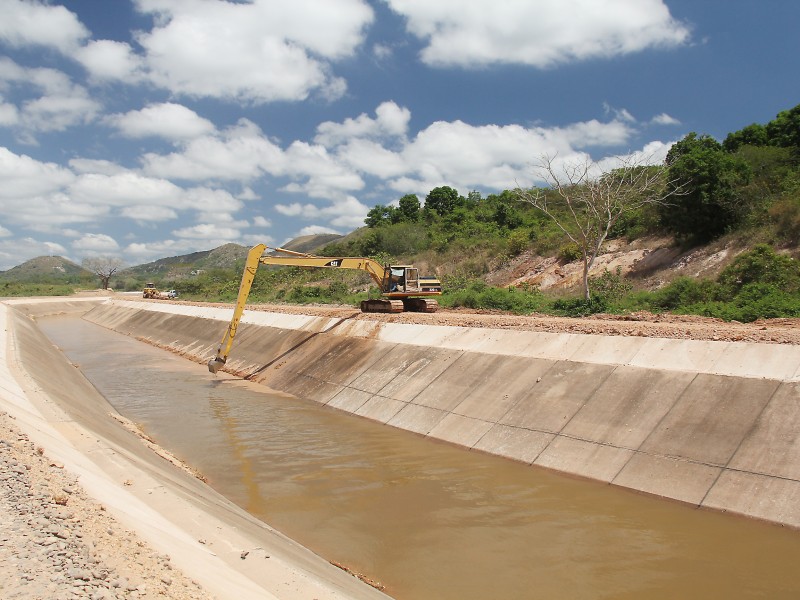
x=401, y=287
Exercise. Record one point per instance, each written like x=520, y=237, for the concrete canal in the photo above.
x=428, y=519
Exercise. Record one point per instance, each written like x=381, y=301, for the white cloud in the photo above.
x=166, y=120
x=323, y=176
x=54, y=102
x=207, y=231
x=259, y=221
x=240, y=153
x=665, y=119
x=23, y=177
x=9, y=115
x=99, y=166
x=346, y=213
x=111, y=60
x=127, y=189
x=4, y=232
x=540, y=33
x=254, y=52
x=27, y=23
x=391, y=121
x=95, y=243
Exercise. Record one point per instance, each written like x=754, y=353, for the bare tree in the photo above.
x=103, y=266
x=586, y=201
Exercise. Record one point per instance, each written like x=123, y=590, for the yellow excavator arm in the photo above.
x=249, y=273
x=401, y=287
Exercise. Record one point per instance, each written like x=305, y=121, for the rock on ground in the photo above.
x=56, y=543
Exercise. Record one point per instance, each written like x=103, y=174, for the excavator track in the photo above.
x=426, y=305
x=382, y=306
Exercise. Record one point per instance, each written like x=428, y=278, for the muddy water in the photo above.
x=429, y=520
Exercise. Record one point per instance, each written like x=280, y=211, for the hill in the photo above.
x=311, y=243
x=47, y=269
x=224, y=257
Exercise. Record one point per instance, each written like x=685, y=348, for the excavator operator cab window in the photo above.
x=397, y=279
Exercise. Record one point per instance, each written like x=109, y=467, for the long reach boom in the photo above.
x=401, y=287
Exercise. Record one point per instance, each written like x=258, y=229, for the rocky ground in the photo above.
x=56, y=543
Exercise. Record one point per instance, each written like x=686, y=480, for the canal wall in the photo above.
x=713, y=424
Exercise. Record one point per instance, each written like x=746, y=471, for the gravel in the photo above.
x=56, y=543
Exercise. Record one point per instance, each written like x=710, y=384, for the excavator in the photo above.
x=401, y=287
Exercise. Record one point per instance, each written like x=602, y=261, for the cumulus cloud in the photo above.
x=239, y=153
x=166, y=120
x=26, y=23
x=53, y=102
x=539, y=33
x=207, y=231
x=345, y=213
x=95, y=243
x=390, y=121
x=111, y=60
x=253, y=52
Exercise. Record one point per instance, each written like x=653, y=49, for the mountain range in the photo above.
x=58, y=269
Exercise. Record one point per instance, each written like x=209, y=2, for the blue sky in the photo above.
x=150, y=128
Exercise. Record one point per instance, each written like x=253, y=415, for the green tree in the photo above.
x=409, y=208
x=442, y=200
x=710, y=180
x=752, y=135
x=379, y=215
x=784, y=130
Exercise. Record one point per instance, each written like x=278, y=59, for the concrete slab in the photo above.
x=711, y=419
x=430, y=336
x=772, y=361
x=426, y=365
x=341, y=360
x=758, y=496
x=506, y=381
x=503, y=341
x=460, y=430
x=419, y=419
x=678, y=355
x=456, y=382
x=555, y=346
x=380, y=409
x=553, y=401
x=349, y=399
x=668, y=477
x=773, y=446
x=387, y=367
x=300, y=385
x=523, y=445
x=606, y=350
x=629, y=404
x=585, y=459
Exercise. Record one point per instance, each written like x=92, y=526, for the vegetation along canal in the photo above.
x=428, y=520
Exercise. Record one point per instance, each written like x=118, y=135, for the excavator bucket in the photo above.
x=215, y=364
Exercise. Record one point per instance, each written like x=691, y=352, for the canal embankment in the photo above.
x=709, y=423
